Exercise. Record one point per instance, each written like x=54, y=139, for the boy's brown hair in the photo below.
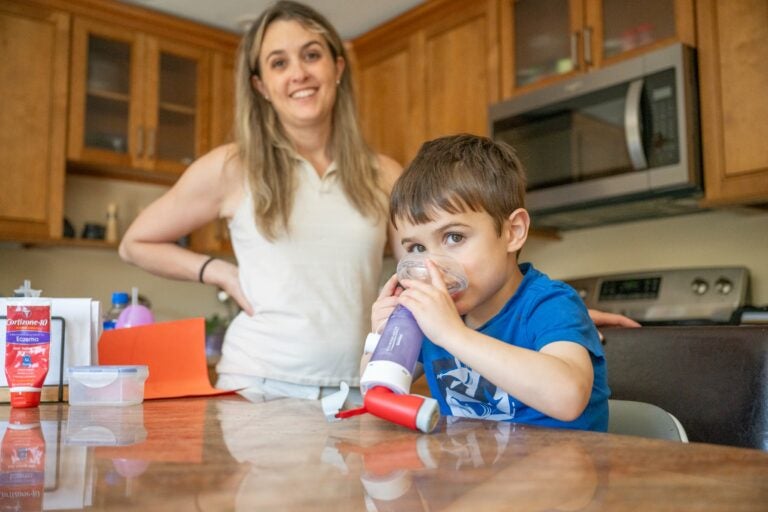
x=458, y=172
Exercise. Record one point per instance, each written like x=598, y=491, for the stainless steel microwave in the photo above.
x=617, y=144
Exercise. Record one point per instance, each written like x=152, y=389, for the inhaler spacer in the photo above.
x=394, y=358
x=387, y=378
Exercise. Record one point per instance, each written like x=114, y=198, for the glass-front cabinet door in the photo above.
x=622, y=27
x=544, y=37
x=176, y=115
x=545, y=40
x=104, y=117
x=137, y=101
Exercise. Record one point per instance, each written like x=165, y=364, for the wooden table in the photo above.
x=229, y=454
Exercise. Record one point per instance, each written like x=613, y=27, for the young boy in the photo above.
x=515, y=345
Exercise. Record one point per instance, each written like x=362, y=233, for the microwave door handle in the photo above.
x=632, y=128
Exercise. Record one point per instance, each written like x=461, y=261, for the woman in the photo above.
x=306, y=204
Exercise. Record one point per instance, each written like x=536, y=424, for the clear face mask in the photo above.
x=413, y=266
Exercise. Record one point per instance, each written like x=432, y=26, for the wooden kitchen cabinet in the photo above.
x=214, y=237
x=546, y=40
x=430, y=72
x=733, y=79
x=104, y=88
x=137, y=101
x=34, y=44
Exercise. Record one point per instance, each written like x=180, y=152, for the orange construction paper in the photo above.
x=173, y=351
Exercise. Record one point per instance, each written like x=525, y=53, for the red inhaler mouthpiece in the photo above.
x=412, y=411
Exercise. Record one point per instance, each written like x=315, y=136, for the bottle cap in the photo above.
x=26, y=290
x=120, y=298
x=24, y=419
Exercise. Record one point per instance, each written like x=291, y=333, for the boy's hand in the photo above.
x=432, y=305
x=384, y=304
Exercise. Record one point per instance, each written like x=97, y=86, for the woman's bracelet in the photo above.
x=202, y=268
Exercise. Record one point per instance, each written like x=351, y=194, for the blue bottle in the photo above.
x=119, y=303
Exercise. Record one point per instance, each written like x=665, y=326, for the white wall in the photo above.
x=96, y=273
x=715, y=238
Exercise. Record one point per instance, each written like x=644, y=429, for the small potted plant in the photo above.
x=215, y=327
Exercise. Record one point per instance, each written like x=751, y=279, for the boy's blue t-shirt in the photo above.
x=540, y=312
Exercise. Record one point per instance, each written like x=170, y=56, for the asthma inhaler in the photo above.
x=394, y=359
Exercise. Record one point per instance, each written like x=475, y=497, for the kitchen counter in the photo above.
x=226, y=453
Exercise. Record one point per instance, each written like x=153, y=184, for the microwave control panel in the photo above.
x=661, y=134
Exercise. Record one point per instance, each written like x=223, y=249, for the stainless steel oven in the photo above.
x=615, y=144
x=681, y=296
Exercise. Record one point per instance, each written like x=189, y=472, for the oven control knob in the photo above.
x=699, y=286
x=582, y=293
x=723, y=286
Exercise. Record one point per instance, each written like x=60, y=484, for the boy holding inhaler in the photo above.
x=515, y=345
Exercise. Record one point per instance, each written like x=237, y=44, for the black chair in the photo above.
x=713, y=379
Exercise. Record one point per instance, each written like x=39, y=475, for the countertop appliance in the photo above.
x=702, y=353
x=616, y=144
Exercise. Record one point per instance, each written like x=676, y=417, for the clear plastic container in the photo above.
x=119, y=303
x=107, y=385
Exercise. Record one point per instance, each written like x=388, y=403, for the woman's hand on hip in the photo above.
x=226, y=276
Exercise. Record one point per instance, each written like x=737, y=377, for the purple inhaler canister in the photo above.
x=394, y=359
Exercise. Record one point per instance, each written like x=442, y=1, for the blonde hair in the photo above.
x=264, y=149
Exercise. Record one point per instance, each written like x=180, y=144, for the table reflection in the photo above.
x=66, y=457
x=401, y=473
x=22, y=462
x=226, y=453
x=402, y=470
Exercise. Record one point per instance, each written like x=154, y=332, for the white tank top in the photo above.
x=311, y=290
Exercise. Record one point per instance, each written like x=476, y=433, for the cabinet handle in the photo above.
x=139, y=142
x=151, y=144
x=588, y=46
x=575, y=50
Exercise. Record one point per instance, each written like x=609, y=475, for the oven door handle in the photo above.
x=632, y=125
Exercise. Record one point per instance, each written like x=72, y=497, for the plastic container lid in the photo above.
x=100, y=376
x=108, y=368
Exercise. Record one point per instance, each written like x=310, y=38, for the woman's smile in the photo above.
x=298, y=74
